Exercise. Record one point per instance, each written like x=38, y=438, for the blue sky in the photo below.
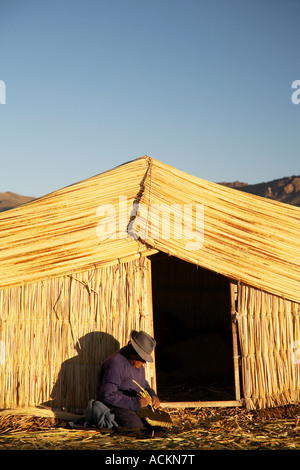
x=203, y=85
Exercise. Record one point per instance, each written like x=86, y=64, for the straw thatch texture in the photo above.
x=245, y=237
x=57, y=234
x=54, y=334
x=269, y=333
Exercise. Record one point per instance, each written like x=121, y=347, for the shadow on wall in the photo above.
x=77, y=379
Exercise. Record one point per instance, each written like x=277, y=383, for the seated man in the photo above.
x=117, y=387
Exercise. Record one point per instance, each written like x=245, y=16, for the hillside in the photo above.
x=285, y=189
x=10, y=200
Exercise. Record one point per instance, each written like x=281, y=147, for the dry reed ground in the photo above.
x=193, y=430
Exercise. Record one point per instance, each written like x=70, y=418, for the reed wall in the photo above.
x=269, y=334
x=55, y=333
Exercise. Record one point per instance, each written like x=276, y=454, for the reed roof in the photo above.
x=245, y=237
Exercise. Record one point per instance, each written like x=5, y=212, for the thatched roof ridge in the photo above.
x=246, y=237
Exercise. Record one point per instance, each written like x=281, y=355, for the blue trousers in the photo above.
x=127, y=418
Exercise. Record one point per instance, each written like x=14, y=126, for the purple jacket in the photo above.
x=115, y=386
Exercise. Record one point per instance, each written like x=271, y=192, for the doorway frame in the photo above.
x=234, y=331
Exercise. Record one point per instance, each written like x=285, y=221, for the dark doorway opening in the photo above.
x=192, y=326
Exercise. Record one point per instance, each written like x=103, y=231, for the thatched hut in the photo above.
x=212, y=272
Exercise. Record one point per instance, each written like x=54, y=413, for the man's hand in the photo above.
x=144, y=401
x=155, y=402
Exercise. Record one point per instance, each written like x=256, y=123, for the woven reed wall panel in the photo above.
x=54, y=334
x=269, y=334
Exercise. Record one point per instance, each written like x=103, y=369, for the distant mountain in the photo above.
x=285, y=189
x=10, y=200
